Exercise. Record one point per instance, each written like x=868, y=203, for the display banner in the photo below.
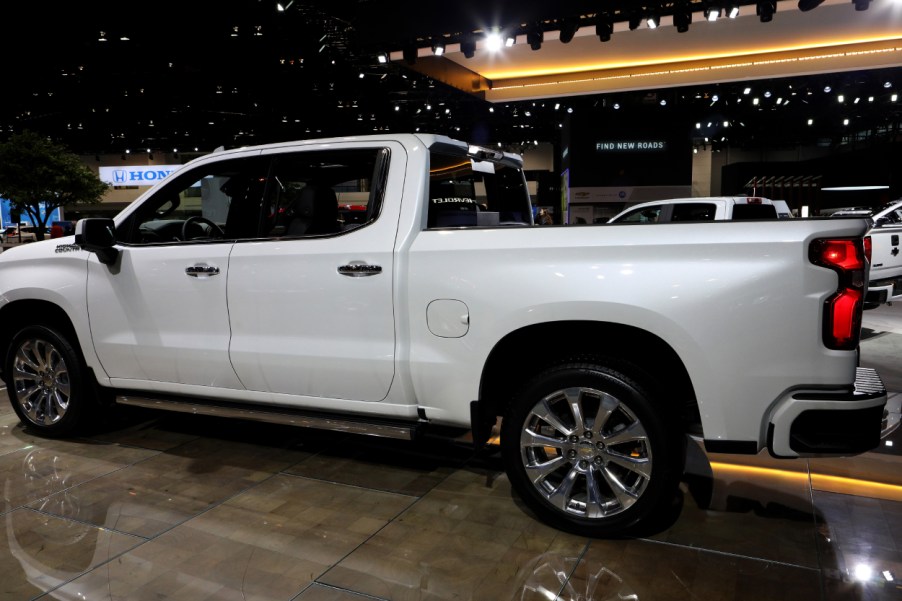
x=136, y=175
x=631, y=146
x=6, y=214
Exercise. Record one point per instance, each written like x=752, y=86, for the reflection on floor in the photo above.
x=175, y=507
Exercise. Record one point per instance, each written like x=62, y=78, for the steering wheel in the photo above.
x=215, y=230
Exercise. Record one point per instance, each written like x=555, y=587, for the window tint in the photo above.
x=324, y=192
x=643, y=215
x=212, y=202
x=464, y=194
x=693, y=211
x=747, y=211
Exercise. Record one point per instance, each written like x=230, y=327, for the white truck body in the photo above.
x=443, y=325
x=885, y=284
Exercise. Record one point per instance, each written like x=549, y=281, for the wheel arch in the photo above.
x=18, y=313
x=524, y=352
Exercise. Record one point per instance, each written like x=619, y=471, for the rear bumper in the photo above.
x=811, y=423
x=884, y=291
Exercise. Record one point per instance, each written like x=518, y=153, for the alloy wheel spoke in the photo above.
x=538, y=472
x=528, y=438
x=638, y=465
x=574, y=400
x=24, y=355
x=593, y=496
x=561, y=496
x=635, y=431
x=621, y=492
x=606, y=408
x=543, y=411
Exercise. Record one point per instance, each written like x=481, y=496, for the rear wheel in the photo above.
x=589, y=451
x=46, y=381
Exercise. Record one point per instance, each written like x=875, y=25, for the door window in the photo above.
x=693, y=211
x=217, y=201
x=643, y=215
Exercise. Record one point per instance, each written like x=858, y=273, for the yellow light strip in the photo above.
x=822, y=482
x=677, y=71
x=670, y=59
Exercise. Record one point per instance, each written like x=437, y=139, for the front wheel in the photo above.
x=589, y=451
x=46, y=381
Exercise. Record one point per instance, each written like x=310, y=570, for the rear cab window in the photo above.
x=467, y=192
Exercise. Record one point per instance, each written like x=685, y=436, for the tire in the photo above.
x=46, y=381
x=589, y=452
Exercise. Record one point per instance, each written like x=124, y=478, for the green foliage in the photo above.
x=35, y=171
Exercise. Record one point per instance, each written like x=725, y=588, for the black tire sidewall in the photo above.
x=78, y=399
x=665, y=437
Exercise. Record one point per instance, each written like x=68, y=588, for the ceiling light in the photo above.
x=535, y=36
x=894, y=97
x=509, y=40
x=733, y=10
x=845, y=121
x=569, y=27
x=468, y=47
x=493, y=42
x=755, y=101
x=438, y=46
x=765, y=10
x=653, y=20
x=682, y=16
x=887, y=84
x=827, y=89
x=282, y=8
x=747, y=91
x=102, y=37
x=811, y=122
x=840, y=98
x=712, y=13
x=604, y=26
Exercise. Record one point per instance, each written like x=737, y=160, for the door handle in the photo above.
x=202, y=270
x=359, y=270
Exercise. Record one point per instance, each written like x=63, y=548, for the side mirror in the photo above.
x=99, y=237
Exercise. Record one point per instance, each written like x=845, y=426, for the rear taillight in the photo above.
x=842, y=311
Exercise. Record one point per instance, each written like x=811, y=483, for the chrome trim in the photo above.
x=359, y=270
x=334, y=424
x=202, y=270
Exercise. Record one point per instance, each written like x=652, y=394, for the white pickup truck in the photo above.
x=233, y=288
x=885, y=284
x=704, y=208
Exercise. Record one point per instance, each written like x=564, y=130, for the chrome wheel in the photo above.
x=585, y=452
x=41, y=380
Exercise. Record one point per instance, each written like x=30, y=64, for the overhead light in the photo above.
x=765, y=10
x=887, y=84
x=894, y=97
x=102, y=37
x=811, y=122
x=653, y=20
x=535, y=36
x=493, y=41
x=845, y=121
x=509, y=40
x=604, y=26
x=569, y=27
x=682, y=16
x=733, y=10
x=747, y=91
x=805, y=5
x=712, y=13
x=468, y=47
x=283, y=7
x=438, y=46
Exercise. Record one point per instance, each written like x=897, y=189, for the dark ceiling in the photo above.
x=206, y=74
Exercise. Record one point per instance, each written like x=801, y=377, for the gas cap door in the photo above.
x=448, y=318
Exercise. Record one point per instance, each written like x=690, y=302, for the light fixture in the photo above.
x=712, y=13
x=604, y=26
x=468, y=47
x=569, y=27
x=493, y=41
x=509, y=40
x=894, y=98
x=840, y=98
x=733, y=10
x=845, y=121
x=382, y=58
x=806, y=5
x=682, y=16
x=438, y=46
x=887, y=84
x=765, y=10
x=747, y=91
x=535, y=36
x=811, y=122
x=283, y=7
x=653, y=20
x=102, y=37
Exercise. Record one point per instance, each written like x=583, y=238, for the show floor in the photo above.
x=174, y=507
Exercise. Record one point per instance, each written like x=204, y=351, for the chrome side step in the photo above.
x=278, y=415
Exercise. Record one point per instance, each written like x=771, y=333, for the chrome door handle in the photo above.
x=359, y=270
x=202, y=270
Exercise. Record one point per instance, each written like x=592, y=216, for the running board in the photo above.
x=279, y=415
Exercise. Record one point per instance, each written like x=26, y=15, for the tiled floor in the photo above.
x=161, y=506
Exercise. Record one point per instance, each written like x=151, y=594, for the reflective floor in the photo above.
x=162, y=506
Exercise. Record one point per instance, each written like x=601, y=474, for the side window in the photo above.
x=316, y=193
x=218, y=201
x=462, y=194
x=642, y=215
x=693, y=211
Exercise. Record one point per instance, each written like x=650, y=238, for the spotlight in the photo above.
x=765, y=10
x=410, y=54
x=604, y=26
x=712, y=13
x=861, y=4
x=535, y=36
x=806, y=5
x=382, y=57
x=493, y=42
x=569, y=27
x=283, y=7
x=634, y=19
x=438, y=46
x=509, y=40
x=468, y=47
x=733, y=9
x=653, y=20
x=682, y=16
